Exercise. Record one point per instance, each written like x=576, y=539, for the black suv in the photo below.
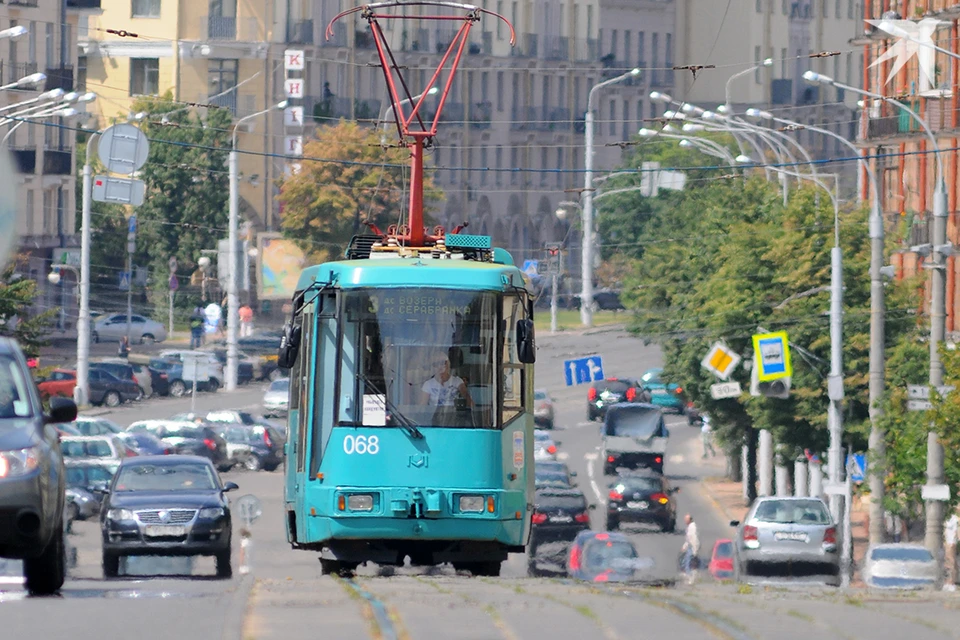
x=32, y=478
x=604, y=393
x=643, y=497
x=558, y=516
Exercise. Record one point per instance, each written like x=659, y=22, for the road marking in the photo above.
x=563, y=455
x=676, y=459
x=593, y=483
x=591, y=456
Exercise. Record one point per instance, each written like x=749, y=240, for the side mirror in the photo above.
x=675, y=490
x=231, y=486
x=289, y=346
x=592, y=507
x=557, y=442
x=62, y=410
x=526, y=343
x=573, y=474
x=734, y=523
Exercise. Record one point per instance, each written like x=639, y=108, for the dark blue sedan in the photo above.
x=606, y=557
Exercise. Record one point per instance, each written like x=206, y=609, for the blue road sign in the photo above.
x=530, y=267
x=124, y=280
x=583, y=370
x=132, y=225
x=857, y=467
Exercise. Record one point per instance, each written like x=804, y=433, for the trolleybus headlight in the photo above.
x=471, y=503
x=360, y=502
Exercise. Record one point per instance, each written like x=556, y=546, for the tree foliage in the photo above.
x=17, y=294
x=325, y=204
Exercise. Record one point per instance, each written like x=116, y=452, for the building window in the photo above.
x=849, y=77
x=483, y=166
x=783, y=6
x=32, y=42
x=500, y=88
x=221, y=78
x=498, y=156
x=12, y=57
x=589, y=20
x=759, y=6
x=783, y=62
x=559, y=167
x=514, y=164
x=145, y=8
x=655, y=56
x=500, y=22
x=48, y=37
x=639, y=114
x=641, y=51
x=47, y=213
x=668, y=56
x=454, y=164
x=756, y=60
x=144, y=76
x=82, y=73
x=839, y=9
x=627, y=45
x=625, y=135
x=850, y=9
x=612, y=126
x=543, y=166
x=613, y=43
x=30, y=213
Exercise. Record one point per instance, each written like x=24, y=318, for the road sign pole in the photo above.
x=835, y=383
x=81, y=391
x=553, y=303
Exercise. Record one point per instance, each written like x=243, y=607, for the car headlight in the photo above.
x=18, y=462
x=120, y=515
x=471, y=504
x=211, y=512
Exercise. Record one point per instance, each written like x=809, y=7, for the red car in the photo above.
x=721, y=561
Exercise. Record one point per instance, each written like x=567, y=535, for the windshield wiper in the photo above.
x=405, y=423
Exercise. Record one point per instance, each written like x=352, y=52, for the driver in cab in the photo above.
x=443, y=390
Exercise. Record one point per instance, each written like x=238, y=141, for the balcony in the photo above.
x=556, y=48
x=26, y=160
x=300, y=32
x=58, y=162
x=226, y=101
x=338, y=38
x=363, y=39
x=559, y=119
x=781, y=91
x=329, y=110
x=480, y=114
x=59, y=78
x=83, y=4
x=523, y=118
x=586, y=50
x=662, y=78
x=12, y=72
x=883, y=127
x=229, y=28
x=526, y=47
x=415, y=40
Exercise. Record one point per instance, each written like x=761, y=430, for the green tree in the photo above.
x=16, y=295
x=326, y=203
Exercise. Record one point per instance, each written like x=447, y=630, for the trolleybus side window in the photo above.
x=300, y=394
x=513, y=369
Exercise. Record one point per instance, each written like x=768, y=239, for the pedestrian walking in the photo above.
x=950, y=530
x=123, y=351
x=690, y=549
x=196, y=327
x=706, y=437
x=246, y=321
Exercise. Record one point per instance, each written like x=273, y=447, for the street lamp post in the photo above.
x=54, y=278
x=586, y=250
x=934, y=508
x=389, y=110
x=233, y=304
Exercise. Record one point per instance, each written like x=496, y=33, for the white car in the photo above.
x=95, y=426
x=103, y=448
x=276, y=401
x=544, y=447
x=207, y=358
x=142, y=329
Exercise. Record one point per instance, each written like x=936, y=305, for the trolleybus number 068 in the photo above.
x=361, y=445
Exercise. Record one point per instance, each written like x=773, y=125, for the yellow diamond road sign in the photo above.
x=721, y=360
x=772, y=355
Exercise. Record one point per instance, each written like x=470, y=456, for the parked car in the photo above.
x=138, y=372
x=208, y=359
x=544, y=447
x=605, y=556
x=146, y=444
x=109, y=447
x=246, y=367
x=142, y=330
x=58, y=384
x=642, y=497
x=543, y=414
x=32, y=479
x=604, y=393
x=177, y=385
x=92, y=475
x=188, y=438
x=105, y=388
x=558, y=516
x=96, y=426
x=84, y=503
x=664, y=394
x=900, y=566
x=721, y=560
x=786, y=531
x=276, y=400
x=167, y=505
x=253, y=447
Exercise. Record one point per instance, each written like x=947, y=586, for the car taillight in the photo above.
x=658, y=459
x=631, y=394
x=582, y=517
x=210, y=444
x=678, y=390
x=660, y=497
x=131, y=453
x=749, y=533
x=574, y=558
x=539, y=518
x=163, y=376
x=611, y=458
x=552, y=449
x=616, y=496
x=266, y=439
x=592, y=394
x=830, y=536
x=601, y=577
x=167, y=451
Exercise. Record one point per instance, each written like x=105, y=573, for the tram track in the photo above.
x=377, y=614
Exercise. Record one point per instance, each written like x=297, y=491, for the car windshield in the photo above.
x=14, y=399
x=792, y=512
x=165, y=477
x=600, y=554
x=89, y=476
x=551, y=477
x=725, y=550
x=184, y=431
x=640, y=484
x=548, y=501
x=539, y=395
x=652, y=377
x=635, y=422
x=613, y=386
x=283, y=384
x=902, y=554
x=86, y=448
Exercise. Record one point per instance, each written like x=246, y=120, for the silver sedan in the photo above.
x=900, y=566
x=789, y=532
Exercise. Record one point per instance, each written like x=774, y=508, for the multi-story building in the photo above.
x=43, y=148
x=902, y=155
x=740, y=36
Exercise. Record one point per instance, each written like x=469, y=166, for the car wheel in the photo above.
x=613, y=524
x=252, y=462
x=669, y=527
x=224, y=568
x=141, y=394
x=73, y=514
x=111, y=565
x=112, y=399
x=45, y=574
x=96, y=337
x=213, y=385
x=178, y=388
x=147, y=338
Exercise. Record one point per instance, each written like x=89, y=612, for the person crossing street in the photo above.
x=690, y=549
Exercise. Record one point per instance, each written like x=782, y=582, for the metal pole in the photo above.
x=193, y=391
x=877, y=445
x=800, y=478
x=765, y=463
x=232, y=302
x=129, y=294
x=586, y=249
x=553, y=303
x=170, y=316
x=835, y=382
x=782, y=479
x=934, y=508
x=846, y=549
x=81, y=391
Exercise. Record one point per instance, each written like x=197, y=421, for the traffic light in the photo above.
x=779, y=388
x=555, y=257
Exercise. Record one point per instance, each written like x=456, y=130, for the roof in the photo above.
x=165, y=460
x=88, y=438
x=560, y=491
x=8, y=346
x=412, y=272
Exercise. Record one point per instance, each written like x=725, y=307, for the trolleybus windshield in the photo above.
x=423, y=357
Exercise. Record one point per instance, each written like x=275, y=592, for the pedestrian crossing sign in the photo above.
x=721, y=360
x=772, y=352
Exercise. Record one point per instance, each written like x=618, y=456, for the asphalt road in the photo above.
x=285, y=597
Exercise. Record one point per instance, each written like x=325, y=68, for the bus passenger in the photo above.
x=443, y=389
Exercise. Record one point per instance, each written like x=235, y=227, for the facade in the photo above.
x=903, y=160
x=44, y=155
x=740, y=37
